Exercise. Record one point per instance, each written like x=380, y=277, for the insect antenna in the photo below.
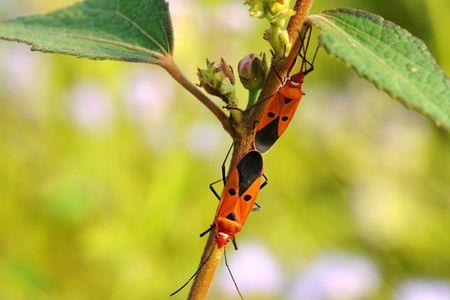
x=231, y=274
x=196, y=272
x=305, y=50
x=302, y=47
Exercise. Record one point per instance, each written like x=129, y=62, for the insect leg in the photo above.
x=211, y=187
x=231, y=273
x=228, y=107
x=311, y=64
x=207, y=230
x=307, y=66
x=266, y=182
x=257, y=208
x=233, y=239
x=304, y=49
x=280, y=78
x=224, y=177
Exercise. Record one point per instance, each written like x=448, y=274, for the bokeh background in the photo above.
x=105, y=166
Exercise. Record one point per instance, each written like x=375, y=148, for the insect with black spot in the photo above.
x=282, y=105
x=238, y=199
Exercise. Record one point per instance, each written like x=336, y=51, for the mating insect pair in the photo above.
x=246, y=178
x=238, y=198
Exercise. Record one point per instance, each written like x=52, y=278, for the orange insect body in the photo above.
x=238, y=197
x=279, y=112
x=283, y=104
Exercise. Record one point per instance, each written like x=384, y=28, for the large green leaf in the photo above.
x=126, y=30
x=389, y=57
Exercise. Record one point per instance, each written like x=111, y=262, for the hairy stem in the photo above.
x=243, y=142
x=169, y=65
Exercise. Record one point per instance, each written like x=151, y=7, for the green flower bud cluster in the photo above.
x=218, y=80
x=277, y=12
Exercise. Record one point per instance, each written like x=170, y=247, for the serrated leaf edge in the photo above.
x=406, y=103
x=157, y=56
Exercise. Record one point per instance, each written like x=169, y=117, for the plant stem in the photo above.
x=169, y=65
x=244, y=142
x=200, y=287
x=272, y=83
x=252, y=97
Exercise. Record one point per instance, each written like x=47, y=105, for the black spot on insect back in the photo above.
x=231, y=216
x=247, y=197
x=270, y=114
x=287, y=100
x=232, y=191
x=285, y=118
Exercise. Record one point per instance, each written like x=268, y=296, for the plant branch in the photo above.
x=243, y=142
x=272, y=83
x=169, y=65
x=203, y=280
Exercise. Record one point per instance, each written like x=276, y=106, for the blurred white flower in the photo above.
x=91, y=108
x=10, y=8
x=336, y=276
x=234, y=17
x=180, y=9
x=204, y=139
x=23, y=78
x=149, y=97
x=423, y=289
x=255, y=270
x=19, y=67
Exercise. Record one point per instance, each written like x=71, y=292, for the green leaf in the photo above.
x=125, y=30
x=389, y=57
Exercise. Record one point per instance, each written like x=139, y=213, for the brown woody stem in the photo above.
x=243, y=142
x=272, y=83
x=169, y=65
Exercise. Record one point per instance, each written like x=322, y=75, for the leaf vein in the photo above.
x=369, y=52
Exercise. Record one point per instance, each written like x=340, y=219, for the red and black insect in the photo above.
x=238, y=198
x=283, y=104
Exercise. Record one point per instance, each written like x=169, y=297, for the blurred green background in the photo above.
x=105, y=166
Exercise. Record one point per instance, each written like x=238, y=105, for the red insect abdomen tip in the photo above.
x=221, y=240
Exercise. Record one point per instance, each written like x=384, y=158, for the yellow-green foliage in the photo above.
x=105, y=198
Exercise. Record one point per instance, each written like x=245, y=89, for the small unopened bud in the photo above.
x=253, y=71
x=284, y=40
x=256, y=9
x=278, y=13
x=218, y=80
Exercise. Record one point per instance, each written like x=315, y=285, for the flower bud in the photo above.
x=253, y=71
x=218, y=80
x=257, y=8
x=277, y=12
